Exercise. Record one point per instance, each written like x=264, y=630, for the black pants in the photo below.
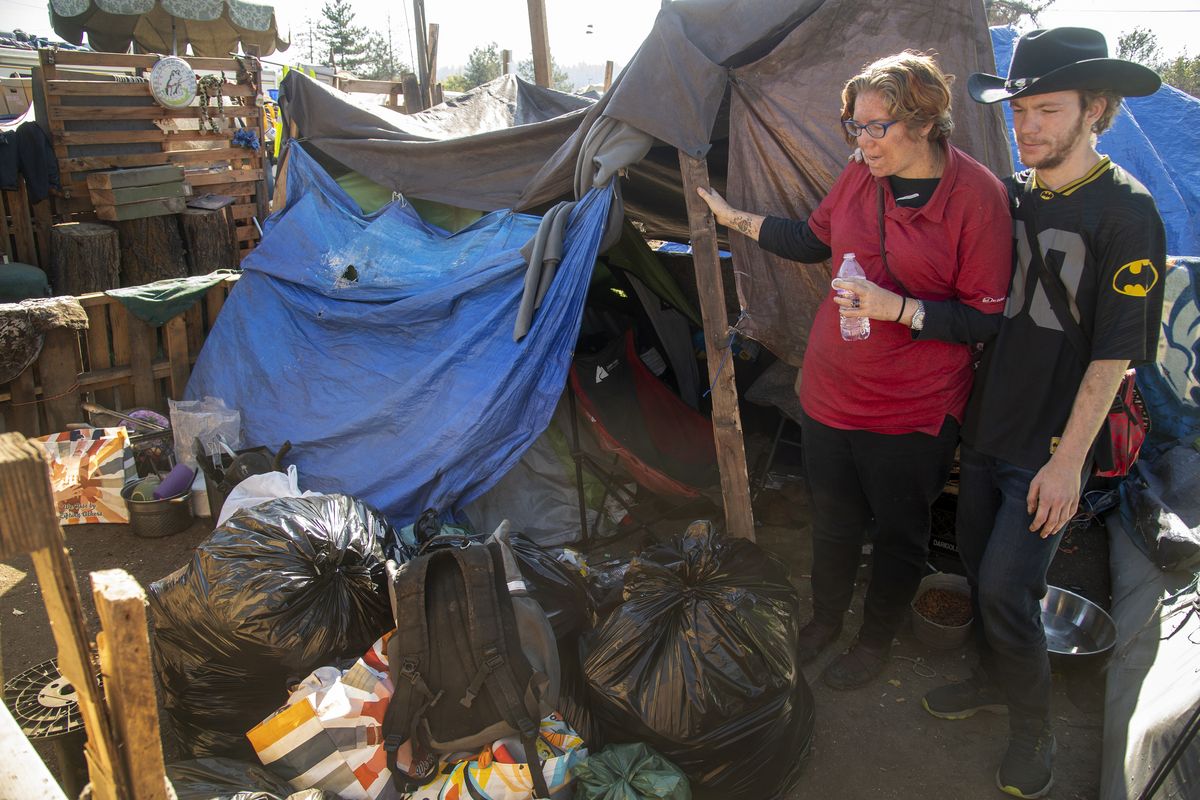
x=854, y=476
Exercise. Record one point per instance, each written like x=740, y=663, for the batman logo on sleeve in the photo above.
x=1135, y=279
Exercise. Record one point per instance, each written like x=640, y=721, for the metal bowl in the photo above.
x=1077, y=630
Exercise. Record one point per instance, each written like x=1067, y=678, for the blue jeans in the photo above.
x=1006, y=564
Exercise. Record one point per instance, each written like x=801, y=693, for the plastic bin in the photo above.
x=941, y=637
x=154, y=519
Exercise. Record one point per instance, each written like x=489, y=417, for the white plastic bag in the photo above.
x=258, y=489
x=208, y=420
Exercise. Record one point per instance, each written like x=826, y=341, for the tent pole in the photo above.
x=540, y=36
x=421, y=30
x=727, y=420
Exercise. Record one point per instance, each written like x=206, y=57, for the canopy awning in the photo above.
x=214, y=28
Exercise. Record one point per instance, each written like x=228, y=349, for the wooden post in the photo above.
x=60, y=365
x=86, y=258
x=176, y=344
x=540, y=36
x=128, y=680
x=143, y=341
x=608, y=70
x=505, y=60
x=412, y=93
x=30, y=525
x=420, y=29
x=727, y=421
x=259, y=159
x=439, y=96
x=431, y=63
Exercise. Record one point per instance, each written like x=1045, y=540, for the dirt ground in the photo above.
x=876, y=742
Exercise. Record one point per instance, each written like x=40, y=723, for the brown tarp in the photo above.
x=786, y=147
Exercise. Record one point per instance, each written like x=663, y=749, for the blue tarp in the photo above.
x=382, y=347
x=1155, y=138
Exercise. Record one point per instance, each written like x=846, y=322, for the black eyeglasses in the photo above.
x=876, y=130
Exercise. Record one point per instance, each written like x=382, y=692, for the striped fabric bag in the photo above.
x=329, y=735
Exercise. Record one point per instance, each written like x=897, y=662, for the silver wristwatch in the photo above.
x=918, y=317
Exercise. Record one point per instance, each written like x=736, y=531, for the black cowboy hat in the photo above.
x=1058, y=59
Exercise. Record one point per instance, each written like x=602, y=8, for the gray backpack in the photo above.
x=473, y=658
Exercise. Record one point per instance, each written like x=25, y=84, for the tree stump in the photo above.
x=151, y=250
x=209, y=239
x=84, y=257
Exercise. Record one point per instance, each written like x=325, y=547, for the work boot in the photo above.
x=964, y=699
x=858, y=666
x=814, y=638
x=1027, y=768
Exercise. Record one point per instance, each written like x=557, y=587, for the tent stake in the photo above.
x=727, y=420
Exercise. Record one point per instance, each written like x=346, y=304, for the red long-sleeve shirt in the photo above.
x=958, y=246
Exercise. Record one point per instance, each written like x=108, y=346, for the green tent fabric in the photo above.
x=632, y=254
x=372, y=196
x=155, y=303
x=630, y=772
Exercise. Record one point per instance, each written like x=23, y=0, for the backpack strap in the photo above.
x=487, y=601
x=408, y=654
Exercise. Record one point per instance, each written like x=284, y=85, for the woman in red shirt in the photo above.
x=882, y=414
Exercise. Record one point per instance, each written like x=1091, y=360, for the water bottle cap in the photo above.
x=846, y=256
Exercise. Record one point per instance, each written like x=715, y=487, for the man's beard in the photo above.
x=1062, y=148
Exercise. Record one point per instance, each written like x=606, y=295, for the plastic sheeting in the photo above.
x=278, y=591
x=381, y=347
x=699, y=662
x=1155, y=138
x=1151, y=688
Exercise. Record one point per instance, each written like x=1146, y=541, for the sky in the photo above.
x=612, y=29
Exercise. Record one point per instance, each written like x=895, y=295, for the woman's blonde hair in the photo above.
x=915, y=89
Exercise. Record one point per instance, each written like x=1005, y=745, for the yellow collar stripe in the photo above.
x=1104, y=165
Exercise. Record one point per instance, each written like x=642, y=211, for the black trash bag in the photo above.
x=573, y=701
x=559, y=590
x=228, y=779
x=279, y=590
x=699, y=662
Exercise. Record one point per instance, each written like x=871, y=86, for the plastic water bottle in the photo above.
x=854, y=329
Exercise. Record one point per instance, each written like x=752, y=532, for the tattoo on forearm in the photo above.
x=742, y=224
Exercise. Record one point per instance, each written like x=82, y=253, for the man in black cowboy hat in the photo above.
x=1085, y=301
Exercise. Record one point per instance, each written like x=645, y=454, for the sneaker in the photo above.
x=962, y=700
x=814, y=638
x=856, y=667
x=1027, y=768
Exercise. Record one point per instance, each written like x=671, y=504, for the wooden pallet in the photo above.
x=140, y=133
x=120, y=362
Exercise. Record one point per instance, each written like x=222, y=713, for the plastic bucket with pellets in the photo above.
x=941, y=611
x=45, y=705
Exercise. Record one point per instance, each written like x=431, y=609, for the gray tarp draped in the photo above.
x=477, y=151
x=786, y=61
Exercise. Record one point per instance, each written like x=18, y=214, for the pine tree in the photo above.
x=483, y=65
x=344, y=43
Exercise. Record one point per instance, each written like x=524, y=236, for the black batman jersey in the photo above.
x=1103, y=236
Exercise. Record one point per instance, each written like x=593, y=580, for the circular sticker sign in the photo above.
x=172, y=82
